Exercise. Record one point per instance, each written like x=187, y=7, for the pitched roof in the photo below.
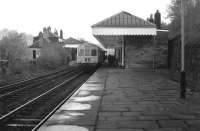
x=71, y=40
x=39, y=43
x=35, y=45
x=124, y=19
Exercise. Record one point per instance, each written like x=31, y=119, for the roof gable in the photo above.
x=71, y=40
x=92, y=45
x=124, y=19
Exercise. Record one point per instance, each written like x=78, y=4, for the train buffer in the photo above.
x=126, y=100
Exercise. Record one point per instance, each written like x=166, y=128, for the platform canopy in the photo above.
x=124, y=23
x=71, y=43
x=111, y=31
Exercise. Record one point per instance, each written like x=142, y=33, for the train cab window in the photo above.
x=87, y=52
x=81, y=52
x=94, y=52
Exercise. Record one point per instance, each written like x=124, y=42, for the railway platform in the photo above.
x=137, y=99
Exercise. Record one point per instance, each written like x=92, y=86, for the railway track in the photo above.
x=16, y=87
x=5, y=86
x=28, y=106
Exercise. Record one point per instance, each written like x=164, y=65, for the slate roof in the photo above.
x=124, y=19
x=38, y=43
x=36, y=38
x=71, y=40
x=35, y=45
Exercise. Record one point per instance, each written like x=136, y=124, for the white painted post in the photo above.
x=154, y=54
x=183, y=77
x=182, y=37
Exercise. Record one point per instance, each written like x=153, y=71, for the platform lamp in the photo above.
x=182, y=74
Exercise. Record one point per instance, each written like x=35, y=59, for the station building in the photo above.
x=133, y=39
x=45, y=36
x=71, y=45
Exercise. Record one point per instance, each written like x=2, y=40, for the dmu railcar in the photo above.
x=88, y=53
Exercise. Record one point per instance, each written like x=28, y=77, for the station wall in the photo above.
x=140, y=52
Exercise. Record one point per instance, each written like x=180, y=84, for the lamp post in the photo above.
x=182, y=78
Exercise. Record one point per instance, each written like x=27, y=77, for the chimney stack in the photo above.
x=157, y=19
x=150, y=19
x=61, y=34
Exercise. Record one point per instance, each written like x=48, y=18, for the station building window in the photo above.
x=94, y=52
x=87, y=52
x=34, y=54
x=81, y=52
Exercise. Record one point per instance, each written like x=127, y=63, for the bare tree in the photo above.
x=192, y=19
x=52, y=55
x=12, y=47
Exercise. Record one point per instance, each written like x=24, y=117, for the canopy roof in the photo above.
x=124, y=23
x=71, y=43
x=71, y=40
x=124, y=19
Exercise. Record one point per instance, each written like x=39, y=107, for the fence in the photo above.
x=192, y=61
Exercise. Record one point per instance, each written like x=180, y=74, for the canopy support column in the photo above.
x=154, y=54
x=123, y=52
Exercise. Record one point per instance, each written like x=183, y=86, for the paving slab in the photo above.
x=127, y=100
x=79, y=113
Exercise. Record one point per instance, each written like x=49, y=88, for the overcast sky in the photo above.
x=75, y=17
